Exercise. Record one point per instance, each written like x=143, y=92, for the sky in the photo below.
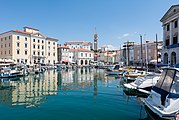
x=116, y=21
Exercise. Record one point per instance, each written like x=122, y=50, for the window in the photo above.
x=175, y=39
x=9, y=37
x=90, y=55
x=18, y=37
x=25, y=60
x=42, y=47
x=38, y=46
x=34, y=46
x=9, y=52
x=149, y=50
x=48, y=61
x=17, y=51
x=137, y=51
x=48, y=42
x=42, y=41
x=86, y=54
x=33, y=40
x=5, y=38
x=25, y=45
x=81, y=54
x=18, y=60
x=168, y=27
x=42, y=53
x=49, y=54
x=48, y=47
x=4, y=52
x=9, y=44
x=18, y=44
x=167, y=42
x=38, y=53
x=53, y=54
x=5, y=45
x=138, y=57
x=34, y=53
x=38, y=41
x=26, y=52
x=176, y=24
x=25, y=39
x=53, y=43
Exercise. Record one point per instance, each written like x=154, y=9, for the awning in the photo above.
x=65, y=61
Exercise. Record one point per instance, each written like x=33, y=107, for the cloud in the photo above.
x=124, y=36
x=111, y=47
x=127, y=35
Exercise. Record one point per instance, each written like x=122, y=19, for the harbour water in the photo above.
x=81, y=94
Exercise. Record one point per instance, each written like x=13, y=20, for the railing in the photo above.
x=171, y=46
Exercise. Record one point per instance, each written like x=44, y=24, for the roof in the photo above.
x=31, y=28
x=78, y=42
x=167, y=14
x=80, y=50
x=65, y=47
x=28, y=33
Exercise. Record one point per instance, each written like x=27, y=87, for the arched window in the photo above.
x=165, y=58
x=86, y=62
x=173, y=58
x=81, y=62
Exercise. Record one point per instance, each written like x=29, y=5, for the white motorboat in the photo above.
x=164, y=97
x=143, y=84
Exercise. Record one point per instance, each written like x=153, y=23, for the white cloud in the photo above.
x=124, y=36
x=111, y=47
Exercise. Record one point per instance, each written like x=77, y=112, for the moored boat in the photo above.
x=164, y=97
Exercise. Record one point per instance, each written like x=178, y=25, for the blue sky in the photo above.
x=116, y=21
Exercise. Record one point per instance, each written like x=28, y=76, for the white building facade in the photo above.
x=28, y=46
x=170, y=22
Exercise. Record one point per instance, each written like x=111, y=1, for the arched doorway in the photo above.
x=165, y=58
x=81, y=62
x=173, y=58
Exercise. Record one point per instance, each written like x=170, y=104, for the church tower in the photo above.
x=95, y=40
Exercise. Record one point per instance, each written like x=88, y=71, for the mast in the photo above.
x=141, y=51
x=157, y=47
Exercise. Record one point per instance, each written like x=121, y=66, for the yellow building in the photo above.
x=28, y=46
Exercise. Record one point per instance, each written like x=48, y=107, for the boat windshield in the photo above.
x=175, y=85
x=166, y=80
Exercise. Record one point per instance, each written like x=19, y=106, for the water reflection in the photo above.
x=30, y=91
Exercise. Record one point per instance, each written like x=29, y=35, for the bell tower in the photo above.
x=95, y=40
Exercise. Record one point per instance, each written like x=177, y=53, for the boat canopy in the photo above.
x=168, y=84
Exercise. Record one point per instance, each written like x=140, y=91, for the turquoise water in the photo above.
x=83, y=94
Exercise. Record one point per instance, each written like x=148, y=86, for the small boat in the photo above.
x=116, y=70
x=143, y=84
x=164, y=97
x=132, y=75
x=7, y=72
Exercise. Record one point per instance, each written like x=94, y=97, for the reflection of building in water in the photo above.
x=32, y=89
x=79, y=78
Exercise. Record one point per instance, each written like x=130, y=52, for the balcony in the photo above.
x=171, y=46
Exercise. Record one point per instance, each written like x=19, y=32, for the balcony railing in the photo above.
x=171, y=46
